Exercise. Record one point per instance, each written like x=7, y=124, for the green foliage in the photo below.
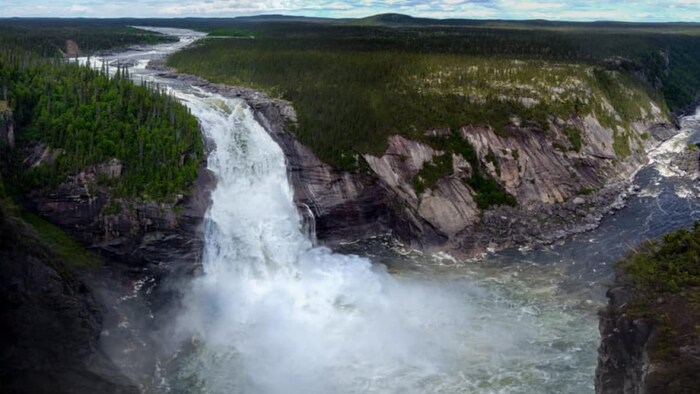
x=438, y=168
x=230, y=33
x=67, y=248
x=92, y=118
x=113, y=208
x=575, y=138
x=487, y=192
x=621, y=144
x=491, y=158
x=47, y=37
x=585, y=192
x=353, y=86
x=667, y=265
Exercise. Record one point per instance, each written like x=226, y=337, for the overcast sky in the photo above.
x=628, y=10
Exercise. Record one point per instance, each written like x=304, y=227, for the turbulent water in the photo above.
x=274, y=314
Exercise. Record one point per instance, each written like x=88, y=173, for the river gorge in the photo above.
x=274, y=312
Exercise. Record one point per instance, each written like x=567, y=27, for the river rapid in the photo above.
x=273, y=313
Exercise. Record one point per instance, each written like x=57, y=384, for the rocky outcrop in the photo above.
x=560, y=188
x=132, y=231
x=650, y=331
x=649, y=342
x=623, y=359
x=49, y=320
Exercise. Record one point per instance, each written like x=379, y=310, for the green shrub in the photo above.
x=432, y=171
x=575, y=137
x=667, y=265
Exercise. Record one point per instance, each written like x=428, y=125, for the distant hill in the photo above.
x=394, y=19
x=285, y=18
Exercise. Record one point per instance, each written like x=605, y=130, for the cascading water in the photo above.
x=271, y=313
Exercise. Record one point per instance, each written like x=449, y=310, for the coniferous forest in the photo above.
x=89, y=118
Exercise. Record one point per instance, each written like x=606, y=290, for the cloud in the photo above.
x=643, y=10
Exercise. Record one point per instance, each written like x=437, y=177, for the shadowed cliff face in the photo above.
x=49, y=320
x=132, y=231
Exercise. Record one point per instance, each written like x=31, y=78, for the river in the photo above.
x=272, y=313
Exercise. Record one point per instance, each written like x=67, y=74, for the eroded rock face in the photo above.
x=132, y=231
x=442, y=212
x=49, y=321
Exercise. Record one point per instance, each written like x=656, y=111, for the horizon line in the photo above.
x=355, y=18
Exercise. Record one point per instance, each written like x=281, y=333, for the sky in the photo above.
x=578, y=10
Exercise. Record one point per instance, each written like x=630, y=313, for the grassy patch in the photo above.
x=67, y=248
x=575, y=137
x=621, y=144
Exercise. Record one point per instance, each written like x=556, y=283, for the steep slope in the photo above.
x=651, y=328
x=49, y=320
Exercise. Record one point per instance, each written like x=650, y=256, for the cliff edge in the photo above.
x=650, y=331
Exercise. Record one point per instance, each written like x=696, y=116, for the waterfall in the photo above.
x=308, y=222
x=273, y=313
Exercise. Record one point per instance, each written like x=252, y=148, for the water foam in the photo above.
x=291, y=317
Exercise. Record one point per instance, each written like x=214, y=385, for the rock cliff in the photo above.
x=49, y=320
x=648, y=347
x=559, y=190
x=623, y=359
x=132, y=231
x=650, y=337
x=561, y=187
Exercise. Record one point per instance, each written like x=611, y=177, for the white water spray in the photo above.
x=276, y=315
